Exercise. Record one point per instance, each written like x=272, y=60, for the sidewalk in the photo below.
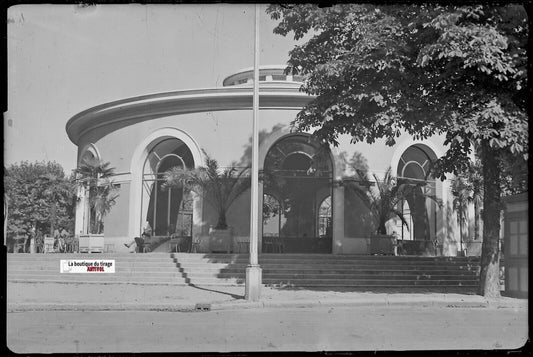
x=130, y=297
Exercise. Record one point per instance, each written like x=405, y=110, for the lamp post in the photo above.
x=253, y=270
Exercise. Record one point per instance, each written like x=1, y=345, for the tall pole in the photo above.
x=253, y=271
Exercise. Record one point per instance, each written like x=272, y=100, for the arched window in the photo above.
x=324, y=218
x=418, y=209
x=415, y=164
x=166, y=209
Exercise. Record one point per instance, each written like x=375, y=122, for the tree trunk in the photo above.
x=222, y=224
x=52, y=218
x=460, y=230
x=490, y=257
x=476, y=220
x=382, y=229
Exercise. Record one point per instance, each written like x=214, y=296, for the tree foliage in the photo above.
x=426, y=69
x=40, y=196
x=378, y=71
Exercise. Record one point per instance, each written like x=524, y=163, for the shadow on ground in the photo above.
x=235, y=296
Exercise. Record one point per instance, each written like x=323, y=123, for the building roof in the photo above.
x=276, y=91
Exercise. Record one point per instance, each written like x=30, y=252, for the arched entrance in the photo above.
x=419, y=210
x=166, y=210
x=297, y=191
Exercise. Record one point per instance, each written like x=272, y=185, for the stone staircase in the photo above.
x=328, y=271
x=150, y=269
x=283, y=270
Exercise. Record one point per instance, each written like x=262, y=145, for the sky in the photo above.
x=63, y=59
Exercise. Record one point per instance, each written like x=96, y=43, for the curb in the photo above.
x=242, y=304
x=99, y=307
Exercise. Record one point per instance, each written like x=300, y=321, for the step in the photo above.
x=117, y=275
x=318, y=270
x=102, y=281
x=96, y=277
x=325, y=262
x=291, y=267
x=394, y=275
x=161, y=258
x=281, y=278
x=215, y=266
x=318, y=258
x=119, y=264
x=329, y=270
x=339, y=282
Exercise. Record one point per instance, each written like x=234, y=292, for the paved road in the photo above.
x=300, y=329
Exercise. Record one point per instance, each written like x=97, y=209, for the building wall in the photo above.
x=225, y=136
x=116, y=222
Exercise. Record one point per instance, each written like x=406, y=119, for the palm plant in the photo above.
x=476, y=178
x=94, y=175
x=461, y=191
x=383, y=202
x=219, y=188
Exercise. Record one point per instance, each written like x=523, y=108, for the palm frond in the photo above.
x=219, y=188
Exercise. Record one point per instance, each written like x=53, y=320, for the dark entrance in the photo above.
x=297, y=197
x=167, y=210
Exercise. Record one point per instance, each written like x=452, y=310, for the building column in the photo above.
x=197, y=214
x=81, y=220
x=338, y=217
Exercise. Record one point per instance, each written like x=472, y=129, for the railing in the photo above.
x=296, y=244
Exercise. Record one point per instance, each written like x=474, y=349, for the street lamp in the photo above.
x=253, y=270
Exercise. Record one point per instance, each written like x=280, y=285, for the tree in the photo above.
x=40, y=196
x=56, y=188
x=220, y=188
x=95, y=176
x=379, y=71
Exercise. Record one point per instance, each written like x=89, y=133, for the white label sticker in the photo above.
x=87, y=266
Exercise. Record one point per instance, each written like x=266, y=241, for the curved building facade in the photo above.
x=144, y=136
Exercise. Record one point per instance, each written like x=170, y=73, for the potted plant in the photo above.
x=95, y=177
x=383, y=202
x=219, y=188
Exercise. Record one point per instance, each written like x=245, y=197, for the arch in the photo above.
x=428, y=146
x=414, y=167
x=280, y=134
x=89, y=149
x=165, y=209
x=325, y=216
x=297, y=160
x=138, y=159
x=167, y=156
x=299, y=173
